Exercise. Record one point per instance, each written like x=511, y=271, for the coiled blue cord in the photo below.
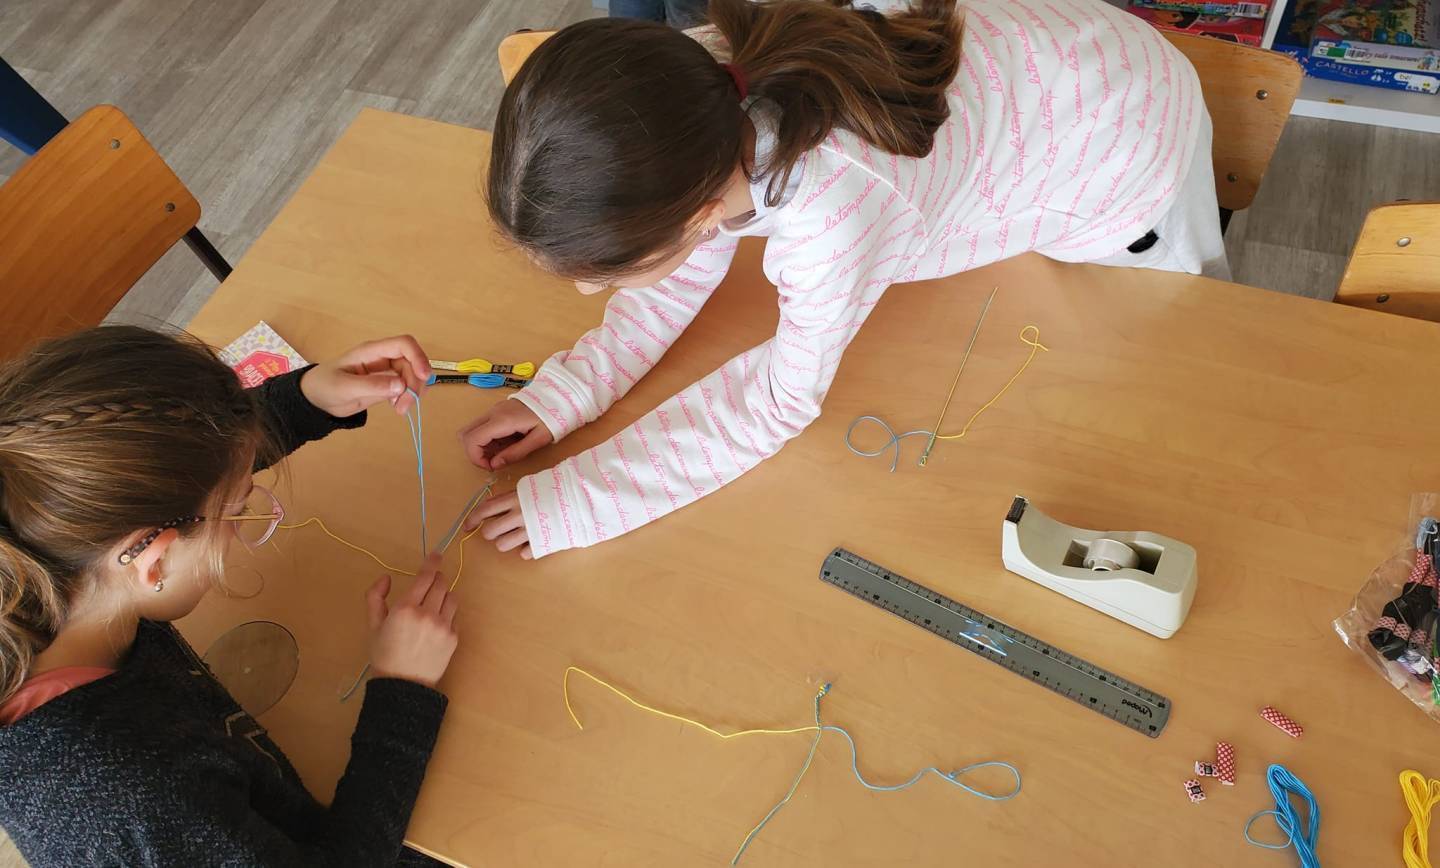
x=1284, y=784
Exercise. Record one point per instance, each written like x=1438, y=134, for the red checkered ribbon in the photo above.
x=1281, y=722
x=1225, y=763
x=1423, y=572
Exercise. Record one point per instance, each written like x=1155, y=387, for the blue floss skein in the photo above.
x=1283, y=784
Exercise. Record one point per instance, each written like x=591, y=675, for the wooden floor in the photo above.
x=243, y=96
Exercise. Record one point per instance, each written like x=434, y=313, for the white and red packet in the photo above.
x=260, y=354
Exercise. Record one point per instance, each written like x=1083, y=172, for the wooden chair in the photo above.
x=1249, y=93
x=1395, y=266
x=80, y=222
x=516, y=47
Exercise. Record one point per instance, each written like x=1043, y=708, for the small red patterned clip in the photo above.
x=1192, y=789
x=1225, y=763
x=1281, y=722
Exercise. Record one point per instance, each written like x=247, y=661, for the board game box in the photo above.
x=1227, y=8
x=1247, y=31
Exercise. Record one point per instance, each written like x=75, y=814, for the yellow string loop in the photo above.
x=565, y=687
x=815, y=728
x=1420, y=797
x=459, y=566
x=1029, y=335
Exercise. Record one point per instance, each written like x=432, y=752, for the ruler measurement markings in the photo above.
x=1025, y=655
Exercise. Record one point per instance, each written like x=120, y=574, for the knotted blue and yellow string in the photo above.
x=819, y=728
x=1030, y=336
x=415, y=420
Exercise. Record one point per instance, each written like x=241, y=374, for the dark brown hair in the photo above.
x=615, y=133
x=102, y=433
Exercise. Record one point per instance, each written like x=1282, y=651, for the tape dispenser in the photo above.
x=1144, y=579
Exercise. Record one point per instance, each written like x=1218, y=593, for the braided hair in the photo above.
x=102, y=433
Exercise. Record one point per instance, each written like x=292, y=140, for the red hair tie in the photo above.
x=737, y=76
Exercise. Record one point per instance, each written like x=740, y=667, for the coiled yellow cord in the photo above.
x=1420, y=797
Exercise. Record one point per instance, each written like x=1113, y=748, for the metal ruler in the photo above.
x=1098, y=689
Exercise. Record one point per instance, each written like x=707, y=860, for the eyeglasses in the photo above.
x=260, y=515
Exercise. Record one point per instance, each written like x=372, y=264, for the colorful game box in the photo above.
x=1378, y=54
x=260, y=354
x=1247, y=31
x=1387, y=22
x=1391, y=79
x=1228, y=8
x=1294, y=37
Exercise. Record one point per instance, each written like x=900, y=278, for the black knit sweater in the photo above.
x=157, y=764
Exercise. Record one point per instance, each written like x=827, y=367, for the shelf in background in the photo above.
x=1368, y=105
x=1359, y=104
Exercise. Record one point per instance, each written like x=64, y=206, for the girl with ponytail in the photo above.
x=125, y=464
x=870, y=149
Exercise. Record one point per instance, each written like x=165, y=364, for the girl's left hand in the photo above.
x=503, y=524
x=372, y=372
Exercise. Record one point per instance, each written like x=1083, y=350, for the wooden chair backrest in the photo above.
x=80, y=222
x=1249, y=93
x=1395, y=266
x=516, y=47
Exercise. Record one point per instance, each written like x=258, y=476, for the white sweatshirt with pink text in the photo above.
x=1072, y=126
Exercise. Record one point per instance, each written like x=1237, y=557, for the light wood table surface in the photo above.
x=1281, y=437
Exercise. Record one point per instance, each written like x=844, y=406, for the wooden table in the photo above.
x=1281, y=437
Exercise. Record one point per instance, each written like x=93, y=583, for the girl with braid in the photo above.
x=125, y=472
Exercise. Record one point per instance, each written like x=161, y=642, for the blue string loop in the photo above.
x=415, y=418
x=893, y=441
x=952, y=778
x=1283, y=785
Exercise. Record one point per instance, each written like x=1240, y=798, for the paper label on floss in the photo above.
x=260, y=354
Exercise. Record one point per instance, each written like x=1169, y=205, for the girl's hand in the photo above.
x=414, y=640
x=506, y=526
x=372, y=372
x=506, y=433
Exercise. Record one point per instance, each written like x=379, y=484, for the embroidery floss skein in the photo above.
x=1421, y=797
x=1283, y=784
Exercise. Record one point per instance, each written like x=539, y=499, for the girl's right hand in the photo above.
x=504, y=434
x=415, y=639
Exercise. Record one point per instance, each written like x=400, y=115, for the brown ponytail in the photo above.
x=32, y=603
x=615, y=133
x=826, y=67
x=102, y=433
